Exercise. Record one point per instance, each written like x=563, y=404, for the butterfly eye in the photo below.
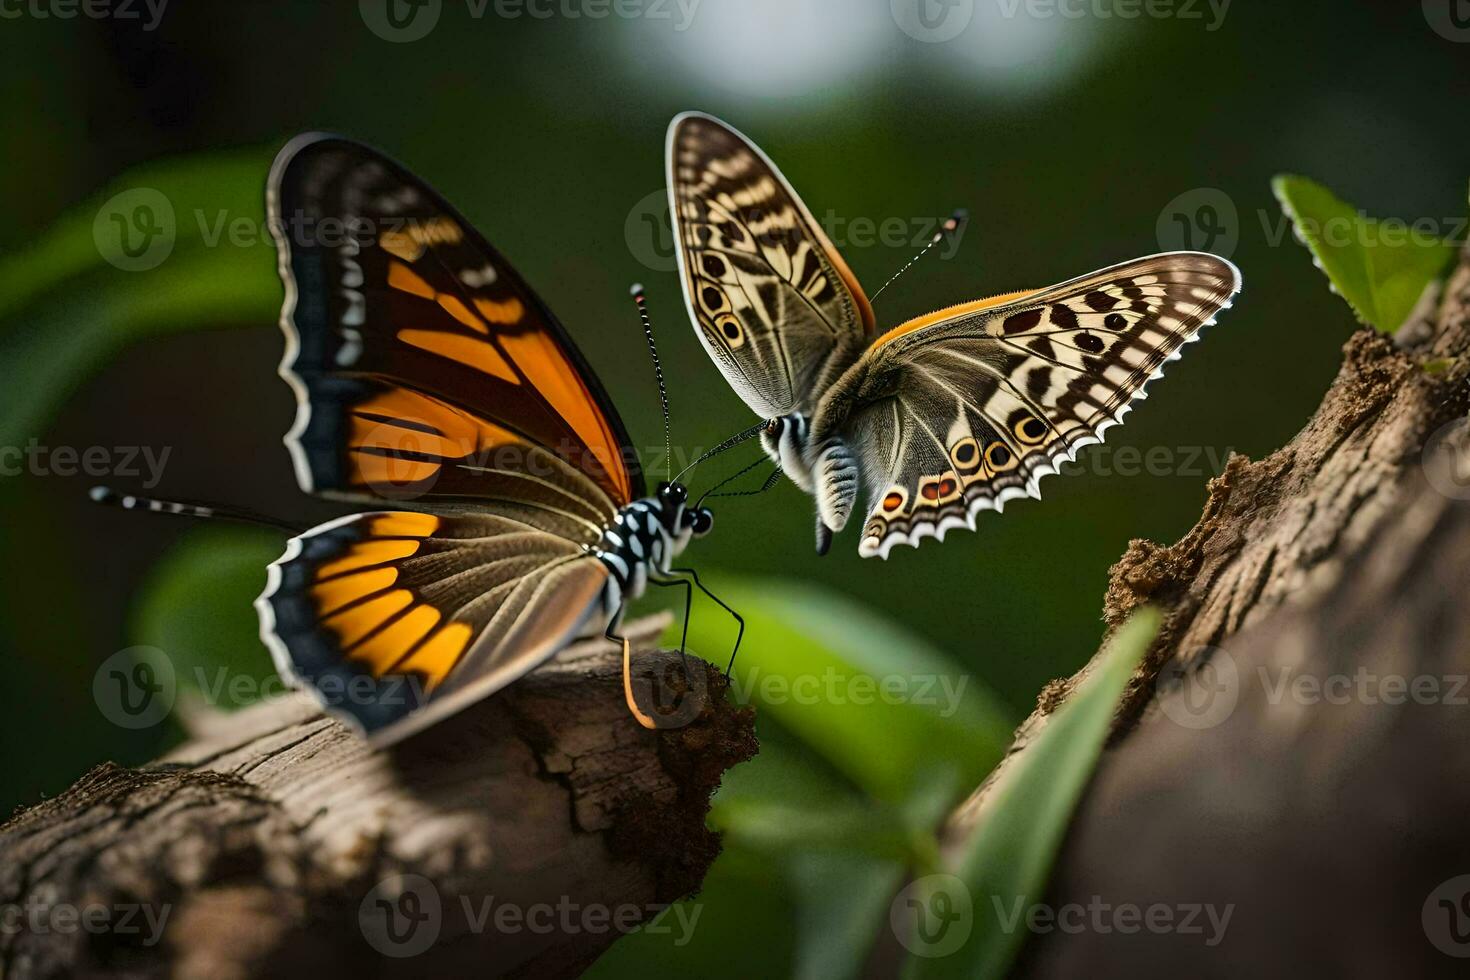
x=774, y=426
x=702, y=522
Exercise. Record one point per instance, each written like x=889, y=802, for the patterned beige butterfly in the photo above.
x=940, y=417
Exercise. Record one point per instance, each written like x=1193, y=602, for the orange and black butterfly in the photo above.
x=509, y=514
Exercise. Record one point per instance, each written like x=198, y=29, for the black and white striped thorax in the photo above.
x=644, y=538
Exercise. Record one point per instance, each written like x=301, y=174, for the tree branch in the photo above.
x=1237, y=775
x=277, y=844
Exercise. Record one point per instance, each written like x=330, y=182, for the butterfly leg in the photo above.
x=723, y=605
x=688, y=603
x=644, y=719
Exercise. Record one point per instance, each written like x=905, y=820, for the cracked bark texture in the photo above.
x=1327, y=825
x=272, y=842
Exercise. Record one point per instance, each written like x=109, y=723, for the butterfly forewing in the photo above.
x=777, y=307
x=963, y=410
x=427, y=372
x=424, y=357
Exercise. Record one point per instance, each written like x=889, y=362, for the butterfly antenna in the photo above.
x=187, y=508
x=729, y=443
x=658, y=372
x=951, y=225
x=770, y=482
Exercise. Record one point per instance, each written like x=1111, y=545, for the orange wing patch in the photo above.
x=405, y=280
x=411, y=241
x=478, y=354
x=541, y=359
x=949, y=312
x=504, y=312
x=403, y=437
x=382, y=628
x=533, y=355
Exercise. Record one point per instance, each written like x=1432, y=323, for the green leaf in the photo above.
x=197, y=608
x=1009, y=857
x=64, y=308
x=815, y=890
x=877, y=702
x=789, y=801
x=199, y=190
x=1380, y=267
x=841, y=906
x=738, y=926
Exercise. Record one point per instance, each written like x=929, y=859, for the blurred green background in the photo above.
x=1074, y=141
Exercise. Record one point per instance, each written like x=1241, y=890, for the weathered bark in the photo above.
x=270, y=843
x=1325, y=825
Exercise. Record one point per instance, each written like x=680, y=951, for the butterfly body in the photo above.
x=644, y=538
x=940, y=417
x=507, y=513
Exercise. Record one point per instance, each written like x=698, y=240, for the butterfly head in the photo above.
x=695, y=521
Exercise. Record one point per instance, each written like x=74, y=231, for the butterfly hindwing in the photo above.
x=777, y=307
x=420, y=357
x=397, y=618
x=969, y=407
